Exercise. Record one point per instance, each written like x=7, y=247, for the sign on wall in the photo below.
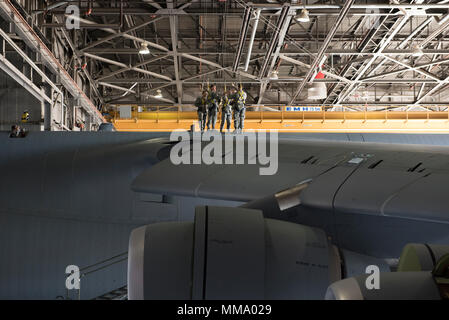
x=303, y=109
x=125, y=112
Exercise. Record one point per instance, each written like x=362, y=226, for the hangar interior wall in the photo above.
x=14, y=100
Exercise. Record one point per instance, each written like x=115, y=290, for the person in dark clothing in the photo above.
x=226, y=111
x=201, y=104
x=15, y=132
x=213, y=101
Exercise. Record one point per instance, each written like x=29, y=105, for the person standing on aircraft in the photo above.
x=226, y=110
x=239, y=110
x=201, y=104
x=213, y=101
x=233, y=97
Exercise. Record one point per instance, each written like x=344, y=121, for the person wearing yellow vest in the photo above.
x=239, y=102
x=25, y=116
x=226, y=111
x=201, y=103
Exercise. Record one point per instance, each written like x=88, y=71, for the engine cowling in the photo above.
x=392, y=286
x=421, y=275
x=230, y=253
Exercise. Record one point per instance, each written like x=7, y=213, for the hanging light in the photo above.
x=144, y=49
x=274, y=75
x=159, y=94
x=417, y=51
x=303, y=16
x=317, y=91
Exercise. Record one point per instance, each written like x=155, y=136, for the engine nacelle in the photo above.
x=421, y=257
x=422, y=274
x=392, y=286
x=230, y=253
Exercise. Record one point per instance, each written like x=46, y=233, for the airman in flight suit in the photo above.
x=239, y=101
x=226, y=111
x=212, y=110
x=201, y=104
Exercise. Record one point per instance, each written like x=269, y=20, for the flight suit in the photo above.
x=239, y=110
x=226, y=112
x=201, y=104
x=213, y=101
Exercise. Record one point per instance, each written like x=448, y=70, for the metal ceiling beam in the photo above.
x=415, y=32
x=382, y=47
x=142, y=25
x=279, y=30
x=141, y=64
x=122, y=65
x=354, y=6
x=365, y=45
x=409, y=68
x=130, y=90
x=177, y=60
x=251, y=40
x=432, y=91
x=219, y=68
x=330, y=52
x=27, y=59
x=130, y=21
x=308, y=66
x=397, y=27
x=8, y=68
x=413, y=35
x=423, y=86
x=119, y=34
x=127, y=36
x=221, y=60
x=154, y=45
x=319, y=57
x=153, y=3
x=329, y=11
x=216, y=65
x=115, y=87
x=10, y=13
x=283, y=80
x=444, y=25
x=78, y=58
x=242, y=38
x=277, y=40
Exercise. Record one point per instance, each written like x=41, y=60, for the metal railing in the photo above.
x=94, y=268
x=175, y=113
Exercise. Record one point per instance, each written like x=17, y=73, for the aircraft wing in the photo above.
x=347, y=206
x=398, y=180
x=237, y=183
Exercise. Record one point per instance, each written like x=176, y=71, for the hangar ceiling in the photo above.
x=375, y=54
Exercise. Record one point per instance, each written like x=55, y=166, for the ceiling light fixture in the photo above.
x=159, y=94
x=144, y=49
x=417, y=51
x=303, y=16
x=274, y=75
x=318, y=91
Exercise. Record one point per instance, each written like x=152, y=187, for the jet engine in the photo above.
x=422, y=274
x=234, y=253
